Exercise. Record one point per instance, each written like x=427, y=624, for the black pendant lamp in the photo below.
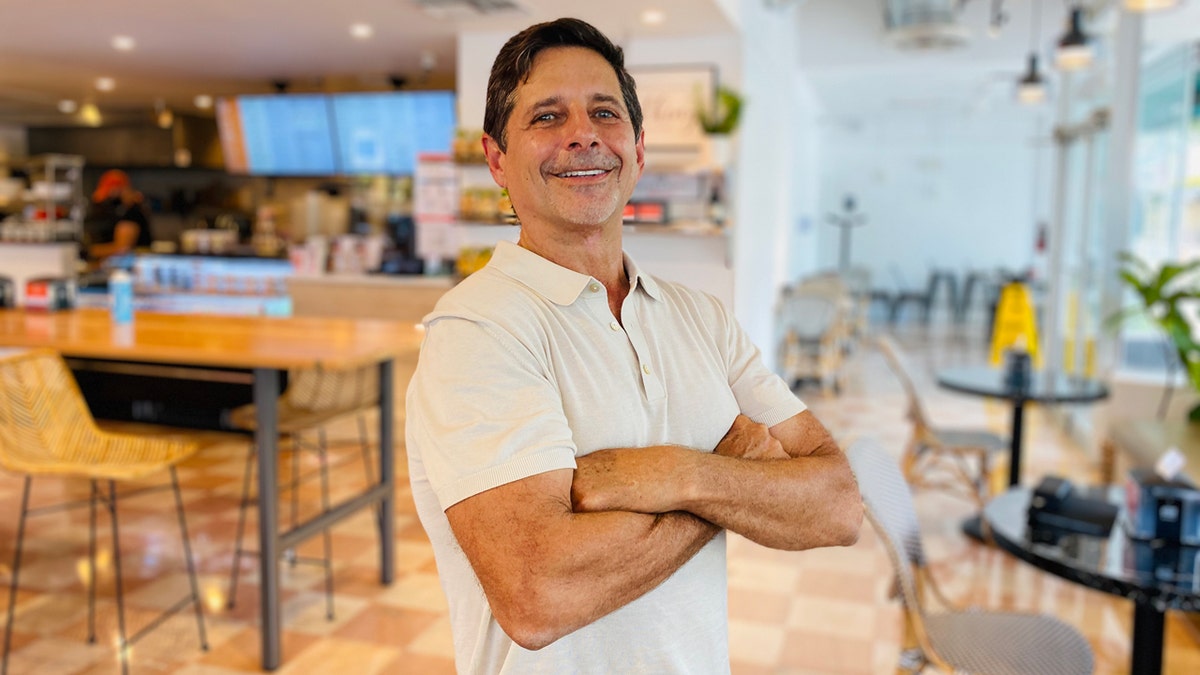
x=1031, y=88
x=1074, y=48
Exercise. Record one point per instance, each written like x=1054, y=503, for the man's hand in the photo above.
x=747, y=439
x=628, y=479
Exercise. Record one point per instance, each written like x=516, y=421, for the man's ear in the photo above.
x=495, y=160
x=641, y=152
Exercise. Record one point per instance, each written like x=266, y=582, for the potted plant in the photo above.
x=1162, y=292
x=719, y=120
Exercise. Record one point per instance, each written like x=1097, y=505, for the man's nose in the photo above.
x=581, y=132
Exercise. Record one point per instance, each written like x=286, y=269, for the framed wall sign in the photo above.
x=668, y=95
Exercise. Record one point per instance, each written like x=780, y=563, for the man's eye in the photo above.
x=606, y=113
x=545, y=117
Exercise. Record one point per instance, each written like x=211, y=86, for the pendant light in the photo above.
x=1150, y=5
x=1074, y=48
x=1031, y=88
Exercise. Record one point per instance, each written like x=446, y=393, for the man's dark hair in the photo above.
x=515, y=60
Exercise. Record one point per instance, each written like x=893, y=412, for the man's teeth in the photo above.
x=591, y=172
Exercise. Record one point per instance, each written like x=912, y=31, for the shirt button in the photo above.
x=615, y=326
x=595, y=288
x=645, y=369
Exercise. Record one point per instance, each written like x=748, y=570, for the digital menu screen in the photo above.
x=277, y=135
x=384, y=132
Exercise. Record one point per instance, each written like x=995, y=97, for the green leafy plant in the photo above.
x=1162, y=291
x=723, y=116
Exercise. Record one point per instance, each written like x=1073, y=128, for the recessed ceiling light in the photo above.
x=123, y=43
x=653, y=17
x=203, y=101
x=362, y=31
x=67, y=106
x=106, y=83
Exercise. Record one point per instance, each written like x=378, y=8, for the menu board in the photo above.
x=277, y=135
x=382, y=133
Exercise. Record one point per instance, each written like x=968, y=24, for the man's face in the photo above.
x=572, y=161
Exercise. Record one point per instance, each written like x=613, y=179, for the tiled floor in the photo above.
x=822, y=611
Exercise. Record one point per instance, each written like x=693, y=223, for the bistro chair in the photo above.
x=46, y=429
x=958, y=460
x=313, y=398
x=954, y=640
x=814, y=332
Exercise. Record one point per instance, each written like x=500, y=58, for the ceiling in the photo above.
x=55, y=49
x=860, y=76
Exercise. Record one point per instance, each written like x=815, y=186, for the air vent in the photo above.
x=469, y=9
x=924, y=24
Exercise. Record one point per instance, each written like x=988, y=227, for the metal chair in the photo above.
x=313, y=399
x=46, y=429
x=968, y=455
x=955, y=640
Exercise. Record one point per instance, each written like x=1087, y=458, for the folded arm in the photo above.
x=789, y=487
x=548, y=571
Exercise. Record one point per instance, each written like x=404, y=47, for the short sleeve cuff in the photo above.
x=495, y=476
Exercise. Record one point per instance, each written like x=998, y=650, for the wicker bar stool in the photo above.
x=46, y=429
x=313, y=399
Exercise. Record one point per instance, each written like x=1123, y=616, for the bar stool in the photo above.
x=46, y=429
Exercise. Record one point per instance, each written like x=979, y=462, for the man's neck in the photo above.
x=596, y=253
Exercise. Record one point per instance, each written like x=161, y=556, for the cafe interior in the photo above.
x=965, y=232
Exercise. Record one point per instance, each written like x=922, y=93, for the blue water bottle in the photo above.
x=120, y=294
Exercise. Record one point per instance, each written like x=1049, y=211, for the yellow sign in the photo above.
x=1015, y=322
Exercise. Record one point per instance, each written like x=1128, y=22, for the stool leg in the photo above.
x=241, y=528
x=326, y=535
x=189, y=560
x=92, y=563
x=297, y=444
x=16, y=571
x=123, y=644
x=365, y=447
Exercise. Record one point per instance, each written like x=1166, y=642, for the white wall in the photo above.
x=775, y=179
x=932, y=197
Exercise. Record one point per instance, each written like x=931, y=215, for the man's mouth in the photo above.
x=582, y=173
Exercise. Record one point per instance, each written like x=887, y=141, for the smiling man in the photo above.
x=581, y=434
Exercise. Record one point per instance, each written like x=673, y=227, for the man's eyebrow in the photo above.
x=608, y=98
x=547, y=102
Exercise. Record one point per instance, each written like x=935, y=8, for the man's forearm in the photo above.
x=792, y=504
x=573, y=568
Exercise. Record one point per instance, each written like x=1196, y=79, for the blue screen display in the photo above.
x=384, y=132
x=287, y=135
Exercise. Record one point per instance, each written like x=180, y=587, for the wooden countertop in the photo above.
x=221, y=341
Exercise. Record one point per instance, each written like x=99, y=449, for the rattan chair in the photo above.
x=814, y=332
x=312, y=400
x=954, y=459
x=46, y=429
x=955, y=640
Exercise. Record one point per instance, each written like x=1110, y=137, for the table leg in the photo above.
x=387, y=472
x=266, y=439
x=973, y=526
x=1014, y=467
x=1147, y=640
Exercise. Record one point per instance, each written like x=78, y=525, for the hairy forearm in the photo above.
x=607, y=560
x=547, y=580
x=791, y=504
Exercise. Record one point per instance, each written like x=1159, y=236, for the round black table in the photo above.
x=1043, y=388
x=1155, y=576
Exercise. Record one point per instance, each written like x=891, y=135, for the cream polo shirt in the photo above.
x=522, y=370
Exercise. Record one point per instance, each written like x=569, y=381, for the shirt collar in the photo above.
x=555, y=282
